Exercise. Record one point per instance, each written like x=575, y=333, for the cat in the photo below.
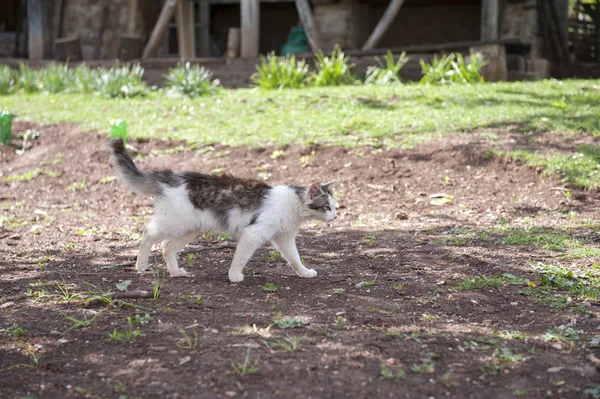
x=188, y=204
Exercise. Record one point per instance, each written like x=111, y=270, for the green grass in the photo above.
x=581, y=168
x=393, y=116
x=478, y=283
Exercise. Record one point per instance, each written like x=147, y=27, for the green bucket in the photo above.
x=5, y=127
x=118, y=129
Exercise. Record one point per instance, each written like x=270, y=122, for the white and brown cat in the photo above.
x=187, y=204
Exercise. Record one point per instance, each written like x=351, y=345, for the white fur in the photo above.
x=177, y=222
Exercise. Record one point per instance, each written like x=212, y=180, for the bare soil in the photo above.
x=439, y=341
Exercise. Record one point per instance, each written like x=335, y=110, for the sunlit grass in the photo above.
x=398, y=115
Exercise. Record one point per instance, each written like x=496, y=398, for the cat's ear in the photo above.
x=314, y=190
x=328, y=186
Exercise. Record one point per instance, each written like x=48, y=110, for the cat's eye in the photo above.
x=327, y=208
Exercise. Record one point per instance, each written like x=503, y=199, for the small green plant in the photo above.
x=499, y=361
x=141, y=320
x=55, y=78
x=423, y=368
x=77, y=186
x=14, y=330
x=269, y=287
x=190, y=260
x=370, y=238
x=479, y=282
x=339, y=291
x=79, y=323
x=273, y=255
x=367, y=283
x=388, y=72
x=127, y=336
x=453, y=68
x=397, y=286
x=30, y=351
x=332, y=71
x=119, y=81
x=191, y=80
x=280, y=72
x=189, y=342
x=593, y=392
x=123, y=285
x=66, y=294
x=562, y=333
x=340, y=323
x=29, y=79
x=245, y=368
x=198, y=300
x=287, y=342
x=157, y=284
x=7, y=80
x=387, y=373
x=292, y=322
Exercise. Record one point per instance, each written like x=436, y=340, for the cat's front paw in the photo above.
x=178, y=272
x=308, y=273
x=236, y=277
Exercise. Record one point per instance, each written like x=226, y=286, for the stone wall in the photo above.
x=83, y=18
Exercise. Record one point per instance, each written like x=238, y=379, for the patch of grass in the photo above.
x=581, y=168
x=339, y=291
x=545, y=238
x=7, y=80
x=386, y=72
x=248, y=117
x=29, y=351
x=273, y=255
x=287, y=342
x=119, y=81
x=269, y=287
x=128, y=336
x=387, y=373
x=292, y=322
x=363, y=284
x=30, y=175
x=77, y=186
x=280, y=72
x=191, y=80
x=499, y=361
x=511, y=334
x=340, y=323
x=579, y=281
x=29, y=79
x=562, y=333
x=189, y=342
x=55, y=78
x=79, y=323
x=246, y=367
x=14, y=331
x=334, y=70
x=478, y=283
x=453, y=68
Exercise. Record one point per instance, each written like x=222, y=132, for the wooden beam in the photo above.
x=160, y=28
x=185, y=29
x=204, y=28
x=384, y=23
x=489, y=20
x=102, y=28
x=250, y=29
x=233, y=43
x=308, y=22
x=39, y=23
x=132, y=12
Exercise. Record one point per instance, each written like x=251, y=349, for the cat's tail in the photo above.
x=128, y=174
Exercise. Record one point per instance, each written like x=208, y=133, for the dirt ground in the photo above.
x=414, y=222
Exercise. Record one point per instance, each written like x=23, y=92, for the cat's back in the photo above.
x=209, y=191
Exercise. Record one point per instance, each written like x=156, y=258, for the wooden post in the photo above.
x=233, y=43
x=308, y=22
x=160, y=28
x=204, y=28
x=250, y=18
x=384, y=23
x=39, y=23
x=99, y=39
x=489, y=20
x=185, y=29
x=132, y=16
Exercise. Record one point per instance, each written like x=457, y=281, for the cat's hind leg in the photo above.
x=149, y=239
x=287, y=246
x=170, y=249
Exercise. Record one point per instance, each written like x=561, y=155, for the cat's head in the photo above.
x=320, y=203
